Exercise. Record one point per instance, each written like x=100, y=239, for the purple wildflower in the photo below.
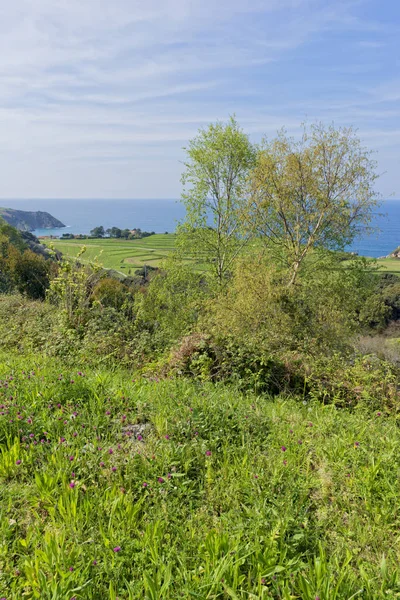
x=208, y=453
x=117, y=549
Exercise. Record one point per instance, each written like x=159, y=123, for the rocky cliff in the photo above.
x=25, y=220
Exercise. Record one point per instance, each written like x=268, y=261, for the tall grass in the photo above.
x=114, y=488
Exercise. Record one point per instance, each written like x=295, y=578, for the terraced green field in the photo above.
x=121, y=255
x=126, y=256
x=391, y=265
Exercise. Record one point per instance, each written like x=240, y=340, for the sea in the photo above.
x=163, y=215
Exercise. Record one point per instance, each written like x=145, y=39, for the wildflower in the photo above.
x=29, y=421
x=72, y=484
x=71, y=569
x=108, y=412
x=300, y=442
x=74, y=434
x=283, y=448
x=356, y=444
x=139, y=437
x=169, y=476
x=110, y=451
x=18, y=462
x=114, y=469
x=378, y=414
x=208, y=453
x=285, y=462
x=145, y=484
x=160, y=480
x=94, y=563
x=71, y=458
x=117, y=549
x=102, y=464
x=167, y=437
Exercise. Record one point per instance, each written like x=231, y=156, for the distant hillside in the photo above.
x=29, y=220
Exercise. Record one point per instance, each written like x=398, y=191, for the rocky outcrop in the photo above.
x=26, y=220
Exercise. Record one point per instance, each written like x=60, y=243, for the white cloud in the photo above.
x=125, y=82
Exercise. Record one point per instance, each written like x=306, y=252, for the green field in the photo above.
x=121, y=255
x=391, y=265
x=127, y=255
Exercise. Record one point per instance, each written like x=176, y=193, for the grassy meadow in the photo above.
x=112, y=487
x=118, y=254
x=126, y=255
x=390, y=265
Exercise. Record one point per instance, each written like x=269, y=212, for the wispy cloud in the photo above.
x=88, y=89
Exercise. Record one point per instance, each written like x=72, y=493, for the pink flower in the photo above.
x=208, y=453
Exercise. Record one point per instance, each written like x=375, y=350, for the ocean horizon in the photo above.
x=163, y=215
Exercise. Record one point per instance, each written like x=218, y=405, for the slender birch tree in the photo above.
x=217, y=167
x=316, y=192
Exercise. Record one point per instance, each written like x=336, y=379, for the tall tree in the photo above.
x=316, y=192
x=218, y=162
x=97, y=232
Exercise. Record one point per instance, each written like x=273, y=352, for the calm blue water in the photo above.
x=81, y=216
x=162, y=215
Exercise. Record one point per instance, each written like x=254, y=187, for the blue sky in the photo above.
x=97, y=98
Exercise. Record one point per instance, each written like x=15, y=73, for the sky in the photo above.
x=98, y=98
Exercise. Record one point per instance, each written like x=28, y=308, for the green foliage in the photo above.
x=22, y=269
x=383, y=305
x=32, y=275
x=217, y=167
x=111, y=293
x=71, y=291
x=243, y=496
x=316, y=192
x=317, y=315
x=97, y=232
x=171, y=305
